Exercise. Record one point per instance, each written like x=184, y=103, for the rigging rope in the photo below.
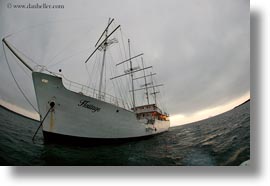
x=91, y=76
x=20, y=65
x=30, y=59
x=120, y=92
x=127, y=98
x=73, y=41
x=17, y=82
x=66, y=59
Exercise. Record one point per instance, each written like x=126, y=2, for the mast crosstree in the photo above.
x=131, y=72
x=103, y=47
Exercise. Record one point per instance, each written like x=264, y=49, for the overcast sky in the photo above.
x=199, y=48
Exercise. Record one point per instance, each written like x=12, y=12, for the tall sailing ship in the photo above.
x=71, y=112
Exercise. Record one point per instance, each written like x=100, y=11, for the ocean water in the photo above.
x=221, y=140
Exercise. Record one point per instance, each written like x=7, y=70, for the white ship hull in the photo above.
x=76, y=116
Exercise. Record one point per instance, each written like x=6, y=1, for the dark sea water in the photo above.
x=221, y=140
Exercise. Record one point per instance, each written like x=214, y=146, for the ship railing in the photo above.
x=94, y=93
x=143, y=110
x=85, y=90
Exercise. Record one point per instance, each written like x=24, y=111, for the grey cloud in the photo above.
x=200, y=49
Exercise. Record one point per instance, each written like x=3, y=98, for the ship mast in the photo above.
x=131, y=75
x=103, y=46
x=103, y=61
x=131, y=72
x=154, y=90
x=145, y=83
